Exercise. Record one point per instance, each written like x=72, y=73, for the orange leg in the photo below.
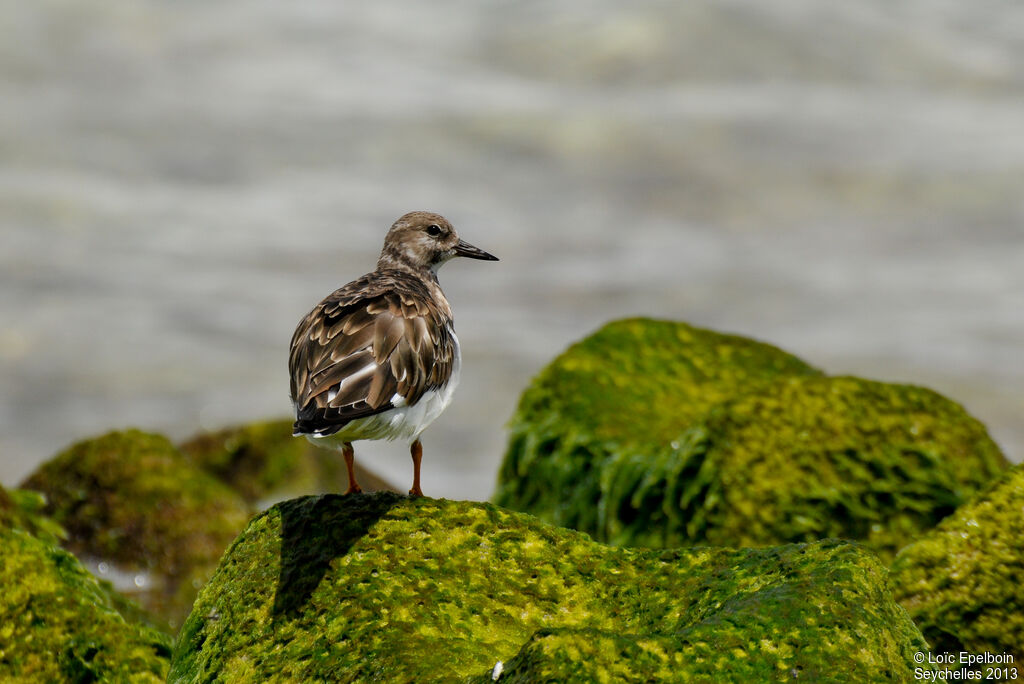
x=350, y=466
x=417, y=455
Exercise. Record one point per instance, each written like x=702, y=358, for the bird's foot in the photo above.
x=354, y=489
x=415, y=492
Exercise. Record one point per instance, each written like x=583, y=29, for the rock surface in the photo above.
x=130, y=499
x=806, y=458
x=651, y=433
x=962, y=582
x=634, y=384
x=384, y=588
x=59, y=624
x=25, y=510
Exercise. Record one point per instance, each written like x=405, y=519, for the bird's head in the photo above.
x=421, y=240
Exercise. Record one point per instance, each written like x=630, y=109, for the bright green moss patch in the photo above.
x=807, y=458
x=264, y=461
x=384, y=588
x=962, y=582
x=672, y=371
x=132, y=499
x=59, y=624
x=634, y=384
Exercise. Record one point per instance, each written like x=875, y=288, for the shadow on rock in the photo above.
x=315, y=530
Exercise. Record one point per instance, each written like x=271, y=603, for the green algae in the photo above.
x=962, y=581
x=650, y=433
x=262, y=461
x=806, y=458
x=58, y=623
x=634, y=384
x=130, y=498
x=385, y=588
x=26, y=510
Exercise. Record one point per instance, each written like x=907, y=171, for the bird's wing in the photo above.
x=376, y=343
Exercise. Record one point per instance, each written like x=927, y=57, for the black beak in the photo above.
x=464, y=249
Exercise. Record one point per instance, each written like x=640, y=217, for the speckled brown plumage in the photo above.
x=386, y=319
x=378, y=358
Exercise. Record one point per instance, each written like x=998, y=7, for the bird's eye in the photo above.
x=433, y=230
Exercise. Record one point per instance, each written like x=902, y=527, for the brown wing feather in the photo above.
x=389, y=328
x=378, y=336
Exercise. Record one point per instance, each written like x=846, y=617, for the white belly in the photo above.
x=402, y=422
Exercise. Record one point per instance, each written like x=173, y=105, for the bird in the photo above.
x=378, y=358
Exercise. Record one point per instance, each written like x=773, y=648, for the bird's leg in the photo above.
x=350, y=466
x=417, y=455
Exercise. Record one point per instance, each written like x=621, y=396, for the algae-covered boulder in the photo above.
x=264, y=461
x=656, y=434
x=962, y=582
x=807, y=458
x=385, y=588
x=131, y=500
x=59, y=624
x=635, y=384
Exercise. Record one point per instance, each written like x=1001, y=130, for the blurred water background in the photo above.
x=181, y=181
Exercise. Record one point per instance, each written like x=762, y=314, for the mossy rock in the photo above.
x=24, y=509
x=59, y=624
x=8, y=508
x=807, y=458
x=385, y=588
x=132, y=500
x=635, y=384
x=263, y=461
x=962, y=581
x=650, y=433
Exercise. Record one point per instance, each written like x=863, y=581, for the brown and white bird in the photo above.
x=378, y=358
